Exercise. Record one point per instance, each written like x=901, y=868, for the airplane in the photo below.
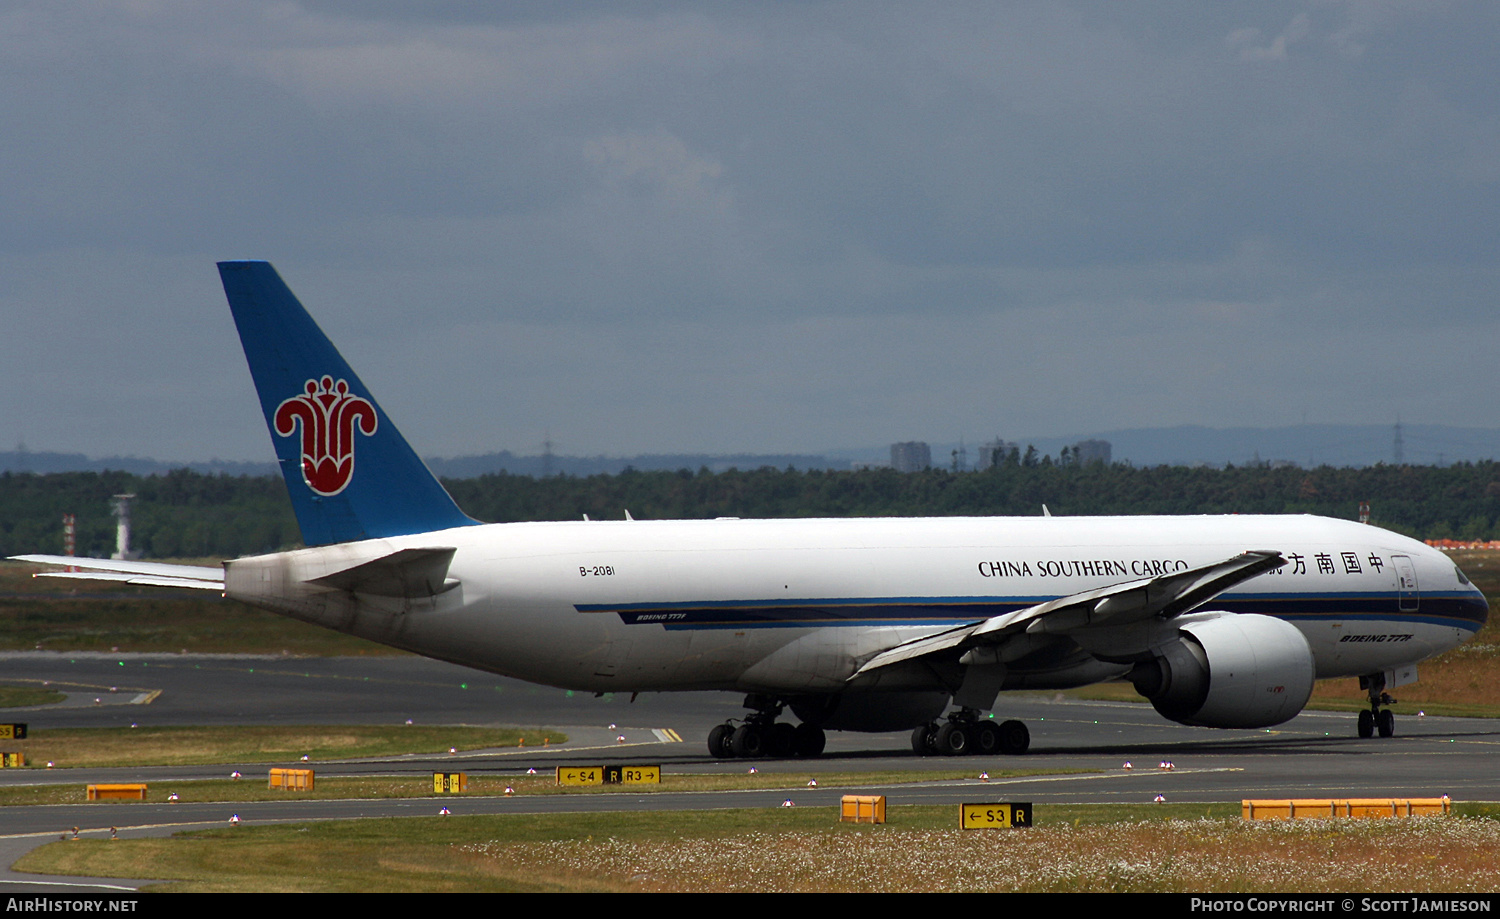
x=873, y=625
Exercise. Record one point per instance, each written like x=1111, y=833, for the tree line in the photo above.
x=186, y=514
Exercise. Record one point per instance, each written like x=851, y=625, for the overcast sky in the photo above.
x=752, y=227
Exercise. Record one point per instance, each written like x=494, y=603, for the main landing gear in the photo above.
x=965, y=732
x=761, y=736
x=1375, y=718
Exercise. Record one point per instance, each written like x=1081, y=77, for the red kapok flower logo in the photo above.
x=328, y=415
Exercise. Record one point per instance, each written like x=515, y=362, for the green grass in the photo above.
x=28, y=696
x=283, y=745
x=412, y=855
x=1183, y=848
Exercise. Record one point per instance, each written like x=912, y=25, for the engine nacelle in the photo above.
x=1230, y=671
x=871, y=712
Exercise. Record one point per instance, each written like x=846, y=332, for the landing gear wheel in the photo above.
x=808, y=740
x=1015, y=739
x=986, y=739
x=748, y=742
x=952, y=739
x=781, y=740
x=1377, y=718
x=718, y=742
x=921, y=740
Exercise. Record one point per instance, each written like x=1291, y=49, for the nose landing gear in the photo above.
x=1376, y=719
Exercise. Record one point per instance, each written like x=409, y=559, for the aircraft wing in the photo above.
x=1164, y=597
x=145, y=574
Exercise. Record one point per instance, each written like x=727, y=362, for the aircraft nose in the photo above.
x=1476, y=608
x=1470, y=605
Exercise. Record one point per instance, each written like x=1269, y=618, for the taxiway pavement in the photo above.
x=1314, y=755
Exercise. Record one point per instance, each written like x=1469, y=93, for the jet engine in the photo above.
x=1229, y=671
x=871, y=712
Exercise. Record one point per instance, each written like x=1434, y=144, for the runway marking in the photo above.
x=1014, y=780
x=565, y=748
x=464, y=754
x=667, y=735
x=117, y=695
x=104, y=830
x=21, y=883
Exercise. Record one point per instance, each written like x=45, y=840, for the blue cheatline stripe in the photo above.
x=1019, y=601
x=1457, y=610
x=804, y=624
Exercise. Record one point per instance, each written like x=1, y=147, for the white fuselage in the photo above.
x=794, y=606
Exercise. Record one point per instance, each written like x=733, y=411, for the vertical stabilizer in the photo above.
x=350, y=473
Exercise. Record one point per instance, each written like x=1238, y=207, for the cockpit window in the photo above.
x=1461, y=578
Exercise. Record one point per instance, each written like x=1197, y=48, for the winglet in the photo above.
x=350, y=473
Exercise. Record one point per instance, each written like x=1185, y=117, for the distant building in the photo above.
x=961, y=457
x=994, y=453
x=1091, y=451
x=912, y=456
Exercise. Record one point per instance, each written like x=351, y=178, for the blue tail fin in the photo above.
x=350, y=473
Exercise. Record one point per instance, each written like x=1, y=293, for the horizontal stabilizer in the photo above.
x=1163, y=597
x=139, y=580
x=409, y=573
x=142, y=574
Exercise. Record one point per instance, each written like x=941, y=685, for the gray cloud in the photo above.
x=689, y=226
